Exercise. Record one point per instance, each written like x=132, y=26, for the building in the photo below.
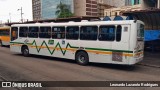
x=36, y=9
x=132, y=5
x=115, y=3
x=101, y=8
x=86, y=8
x=49, y=7
x=45, y=9
x=90, y=7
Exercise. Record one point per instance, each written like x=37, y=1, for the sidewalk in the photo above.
x=151, y=59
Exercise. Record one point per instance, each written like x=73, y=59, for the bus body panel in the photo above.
x=115, y=52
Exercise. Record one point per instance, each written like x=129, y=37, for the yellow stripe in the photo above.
x=16, y=45
x=73, y=50
x=98, y=52
x=127, y=54
x=138, y=54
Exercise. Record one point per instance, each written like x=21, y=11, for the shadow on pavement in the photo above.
x=100, y=65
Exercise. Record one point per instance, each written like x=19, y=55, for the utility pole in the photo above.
x=21, y=14
x=10, y=17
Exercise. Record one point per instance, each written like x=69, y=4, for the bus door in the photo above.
x=121, y=43
x=14, y=33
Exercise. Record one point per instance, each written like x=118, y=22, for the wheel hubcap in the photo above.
x=25, y=51
x=81, y=58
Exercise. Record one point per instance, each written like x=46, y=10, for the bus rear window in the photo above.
x=4, y=32
x=140, y=32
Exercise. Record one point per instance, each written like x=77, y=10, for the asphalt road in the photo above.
x=15, y=67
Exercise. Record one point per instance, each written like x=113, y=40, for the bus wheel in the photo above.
x=1, y=43
x=82, y=58
x=25, y=51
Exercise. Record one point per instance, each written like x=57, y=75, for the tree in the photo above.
x=63, y=11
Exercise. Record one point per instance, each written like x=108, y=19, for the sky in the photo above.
x=9, y=10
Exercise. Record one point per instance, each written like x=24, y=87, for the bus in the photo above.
x=4, y=36
x=114, y=42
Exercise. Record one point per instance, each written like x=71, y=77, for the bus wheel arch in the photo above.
x=82, y=57
x=25, y=50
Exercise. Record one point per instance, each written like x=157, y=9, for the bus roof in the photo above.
x=83, y=22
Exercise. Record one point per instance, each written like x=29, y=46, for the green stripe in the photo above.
x=100, y=49
x=16, y=43
x=51, y=52
x=140, y=50
x=68, y=46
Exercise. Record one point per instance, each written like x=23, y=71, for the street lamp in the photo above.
x=21, y=14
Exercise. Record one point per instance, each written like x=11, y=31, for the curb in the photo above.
x=155, y=66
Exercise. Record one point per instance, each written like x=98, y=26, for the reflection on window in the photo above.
x=58, y=32
x=88, y=33
x=23, y=31
x=45, y=32
x=107, y=33
x=72, y=32
x=14, y=33
x=33, y=32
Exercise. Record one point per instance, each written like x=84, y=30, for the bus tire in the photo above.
x=82, y=58
x=25, y=51
x=1, y=45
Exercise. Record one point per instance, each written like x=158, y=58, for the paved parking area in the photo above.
x=151, y=59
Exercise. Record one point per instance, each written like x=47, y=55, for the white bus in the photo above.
x=116, y=42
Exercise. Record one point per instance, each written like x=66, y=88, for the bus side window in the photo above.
x=88, y=33
x=58, y=32
x=118, y=33
x=45, y=32
x=72, y=32
x=14, y=33
x=23, y=31
x=33, y=32
x=107, y=33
